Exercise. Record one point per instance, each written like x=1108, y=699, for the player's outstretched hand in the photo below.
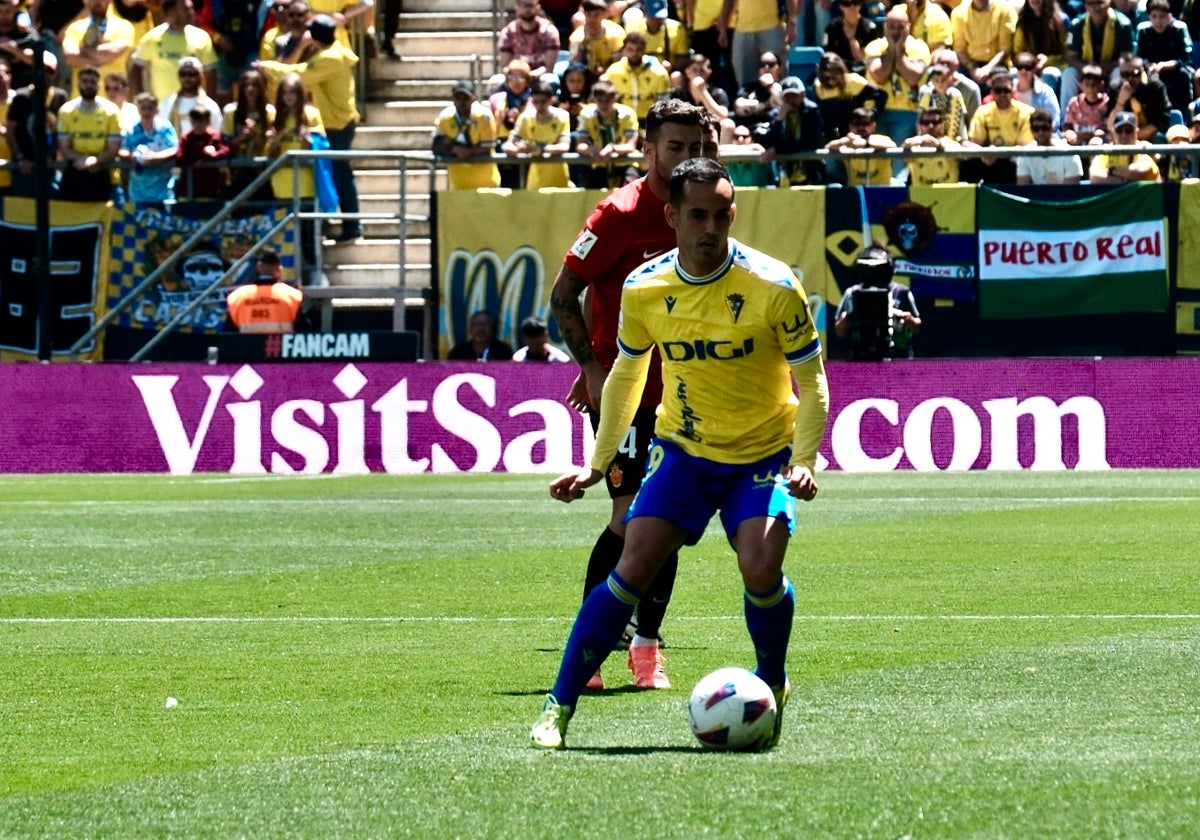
x=801, y=483
x=577, y=397
x=570, y=487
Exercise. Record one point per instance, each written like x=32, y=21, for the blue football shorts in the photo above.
x=687, y=491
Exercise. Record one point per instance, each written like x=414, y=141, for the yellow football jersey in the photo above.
x=726, y=341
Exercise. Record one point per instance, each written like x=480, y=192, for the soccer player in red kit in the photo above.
x=625, y=230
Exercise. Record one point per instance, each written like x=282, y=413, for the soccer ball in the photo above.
x=732, y=709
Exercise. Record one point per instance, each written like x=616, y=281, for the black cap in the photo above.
x=322, y=29
x=463, y=86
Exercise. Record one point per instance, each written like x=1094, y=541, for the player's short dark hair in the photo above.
x=698, y=170
x=1158, y=5
x=269, y=256
x=544, y=87
x=674, y=111
x=636, y=38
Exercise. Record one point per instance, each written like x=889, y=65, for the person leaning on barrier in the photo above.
x=1001, y=122
x=1123, y=167
x=608, y=130
x=877, y=314
x=542, y=132
x=465, y=129
x=22, y=148
x=928, y=167
x=854, y=150
x=266, y=305
x=1178, y=167
x=1051, y=169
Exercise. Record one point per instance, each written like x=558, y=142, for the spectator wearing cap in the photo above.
x=154, y=63
x=328, y=74
x=98, y=40
x=1123, y=167
x=1180, y=166
x=464, y=129
x=22, y=145
x=89, y=138
x=189, y=96
x=1145, y=97
x=531, y=38
x=666, y=38
x=535, y=343
x=795, y=126
x=1052, y=169
x=640, y=81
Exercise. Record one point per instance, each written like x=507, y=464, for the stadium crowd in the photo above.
x=920, y=76
x=208, y=88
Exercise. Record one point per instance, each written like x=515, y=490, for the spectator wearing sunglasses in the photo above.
x=755, y=99
x=1029, y=88
x=1146, y=97
x=1001, y=122
x=926, y=168
x=1052, y=169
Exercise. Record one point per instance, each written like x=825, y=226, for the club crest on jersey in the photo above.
x=615, y=475
x=735, y=302
x=669, y=300
x=583, y=245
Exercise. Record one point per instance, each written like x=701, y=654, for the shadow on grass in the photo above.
x=615, y=751
x=541, y=692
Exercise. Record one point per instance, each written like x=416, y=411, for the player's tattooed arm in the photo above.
x=568, y=310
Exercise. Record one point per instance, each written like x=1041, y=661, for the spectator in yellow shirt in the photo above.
x=542, y=132
x=983, y=36
x=640, y=81
x=465, y=129
x=597, y=43
x=1002, y=122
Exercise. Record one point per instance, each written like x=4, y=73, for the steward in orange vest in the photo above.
x=267, y=305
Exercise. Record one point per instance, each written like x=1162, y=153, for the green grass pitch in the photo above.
x=974, y=655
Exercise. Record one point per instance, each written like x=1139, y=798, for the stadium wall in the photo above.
x=1040, y=414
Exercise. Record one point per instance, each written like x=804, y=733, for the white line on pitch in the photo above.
x=316, y=619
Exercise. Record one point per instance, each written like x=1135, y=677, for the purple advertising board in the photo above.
x=1041, y=414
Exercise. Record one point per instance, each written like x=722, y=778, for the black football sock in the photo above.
x=605, y=554
x=653, y=607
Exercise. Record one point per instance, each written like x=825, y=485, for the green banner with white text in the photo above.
x=1101, y=255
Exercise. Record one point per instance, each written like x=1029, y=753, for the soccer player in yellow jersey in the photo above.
x=733, y=328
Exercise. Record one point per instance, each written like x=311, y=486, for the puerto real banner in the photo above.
x=1096, y=256
x=346, y=418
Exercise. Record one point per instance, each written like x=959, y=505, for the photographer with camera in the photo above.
x=878, y=315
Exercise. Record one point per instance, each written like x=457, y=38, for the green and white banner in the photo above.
x=1101, y=255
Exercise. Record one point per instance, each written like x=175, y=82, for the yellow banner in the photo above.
x=79, y=260
x=1188, y=268
x=500, y=250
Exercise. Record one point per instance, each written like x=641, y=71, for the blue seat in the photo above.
x=802, y=62
x=1176, y=116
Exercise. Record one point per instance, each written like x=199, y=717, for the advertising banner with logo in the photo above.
x=79, y=268
x=501, y=251
x=349, y=417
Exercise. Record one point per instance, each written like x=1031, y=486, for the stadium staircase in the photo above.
x=438, y=42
